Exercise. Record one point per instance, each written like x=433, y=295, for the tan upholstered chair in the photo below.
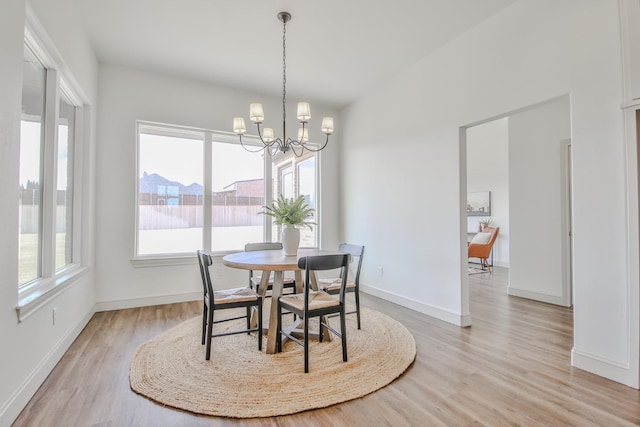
x=481, y=244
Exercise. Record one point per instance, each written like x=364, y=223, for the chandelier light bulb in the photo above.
x=327, y=125
x=303, y=134
x=267, y=134
x=304, y=111
x=238, y=125
x=255, y=113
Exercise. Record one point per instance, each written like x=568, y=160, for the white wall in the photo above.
x=538, y=203
x=488, y=170
x=33, y=347
x=128, y=95
x=533, y=51
x=630, y=18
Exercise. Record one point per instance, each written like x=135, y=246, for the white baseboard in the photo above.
x=615, y=371
x=537, y=296
x=122, y=304
x=430, y=310
x=10, y=410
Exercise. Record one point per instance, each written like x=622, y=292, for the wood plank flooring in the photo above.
x=512, y=367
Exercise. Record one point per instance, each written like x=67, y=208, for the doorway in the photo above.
x=524, y=160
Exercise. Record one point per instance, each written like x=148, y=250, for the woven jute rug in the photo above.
x=241, y=382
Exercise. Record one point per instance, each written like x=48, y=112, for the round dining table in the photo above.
x=275, y=261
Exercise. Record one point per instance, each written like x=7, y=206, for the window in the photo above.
x=297, y=177
x=49, y=213
x=170, y=190
x=31, y=150
x=64, y=183
x=238, y=196
x=307, y=188
x=199, y=189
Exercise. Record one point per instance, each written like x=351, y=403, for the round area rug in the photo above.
x=241, y=382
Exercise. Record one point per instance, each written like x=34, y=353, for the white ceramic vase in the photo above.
x=290, y=240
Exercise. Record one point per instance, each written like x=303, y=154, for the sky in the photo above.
x=181, y=160
x=30, y=153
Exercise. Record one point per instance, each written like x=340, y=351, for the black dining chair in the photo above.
x=254, y=280
x=332, y=285
x=225, y=299
x=316, y=303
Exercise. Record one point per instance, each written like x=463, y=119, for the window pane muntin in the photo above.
x=170, y=196
x=31, y=154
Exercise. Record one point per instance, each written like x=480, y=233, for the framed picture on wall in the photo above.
x=479, y=203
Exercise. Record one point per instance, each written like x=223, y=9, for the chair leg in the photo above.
x=343, y=333
x=248, y=319
x=321, y=329
x=259, y=324
x=279, y=328
x=209, y=333
x=204, y=322
x=357, y=295
x=306, y=344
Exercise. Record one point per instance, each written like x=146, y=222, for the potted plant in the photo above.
x=291, y=214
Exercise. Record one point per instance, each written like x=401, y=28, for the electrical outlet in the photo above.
x=54, y=315
x=380, y=272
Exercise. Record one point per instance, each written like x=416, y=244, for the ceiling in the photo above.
x=336, y=49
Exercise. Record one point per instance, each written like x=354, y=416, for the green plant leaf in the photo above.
x=290, y=212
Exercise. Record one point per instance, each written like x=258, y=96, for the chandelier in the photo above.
x=256, y=115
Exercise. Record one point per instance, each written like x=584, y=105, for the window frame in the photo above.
x=34, y=294
x=210, y=137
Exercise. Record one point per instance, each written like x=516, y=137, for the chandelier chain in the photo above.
x=284, y=75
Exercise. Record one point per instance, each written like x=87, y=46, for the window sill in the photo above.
x=169, y=260
x=35, y=295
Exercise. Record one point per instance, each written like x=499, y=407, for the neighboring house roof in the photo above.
x=149, y=184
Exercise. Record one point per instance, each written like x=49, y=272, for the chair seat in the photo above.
x=334, y=284
x=317, y=300
x=227, y=296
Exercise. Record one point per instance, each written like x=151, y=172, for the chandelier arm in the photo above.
x=315, y=150
x=293, y=146
x=272, y=150
x=251, y=151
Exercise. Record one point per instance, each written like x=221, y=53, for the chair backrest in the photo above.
x=494, y=234
x=483, y=250
x=204, y=261
x=356, y=251
x=263, y=246
x=324, y=262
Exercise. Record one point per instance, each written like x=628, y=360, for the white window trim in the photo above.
x=208, y=136
x=37, y=293
x=144, y=261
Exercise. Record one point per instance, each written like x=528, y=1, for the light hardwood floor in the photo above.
x=512, y=367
